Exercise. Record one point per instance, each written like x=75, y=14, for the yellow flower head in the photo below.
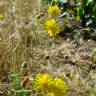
x=42, y=82
x=1, y=16
x=58, y=87
x=54, y=10
x=52, y=27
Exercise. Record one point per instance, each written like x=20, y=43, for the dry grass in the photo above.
x=59, y=57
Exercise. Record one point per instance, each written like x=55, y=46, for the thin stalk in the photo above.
x=12, y=32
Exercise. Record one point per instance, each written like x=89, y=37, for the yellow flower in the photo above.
x=51, y=94
x=52, y=27
x=42, y=82
x=58, y=87
x=1, y=16
x=54, y=10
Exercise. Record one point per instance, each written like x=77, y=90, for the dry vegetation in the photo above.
x=72, y=60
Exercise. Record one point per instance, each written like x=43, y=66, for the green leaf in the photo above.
x=14, y=50
x=88, y=22
x=78, y=18
x=24, y=65
x=53, y=1
x=88, y=2
x=94, y=8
